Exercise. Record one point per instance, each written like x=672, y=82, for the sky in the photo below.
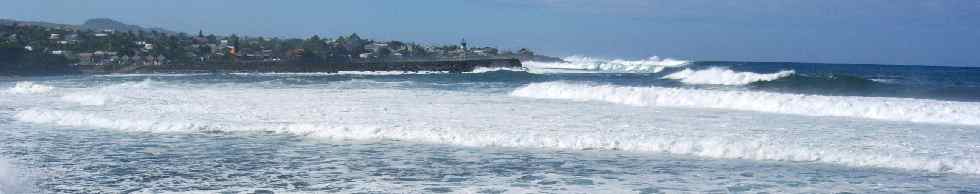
x=907, y=32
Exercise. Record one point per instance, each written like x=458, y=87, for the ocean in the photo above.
x=587, y=125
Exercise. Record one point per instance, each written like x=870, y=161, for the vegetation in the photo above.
x=27, y=48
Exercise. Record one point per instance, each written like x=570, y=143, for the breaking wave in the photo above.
x=580, y=63
x=27, y=87
x=882, y=108
x=433, y=116
x=724, y=76
x=719, y=147
x=89, y=99
x=496, y=69
x=107, y=94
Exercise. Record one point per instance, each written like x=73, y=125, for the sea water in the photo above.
x=582, y=126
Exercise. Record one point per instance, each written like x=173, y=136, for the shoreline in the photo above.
x=451, y=66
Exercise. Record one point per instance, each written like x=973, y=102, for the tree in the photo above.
x=10, y=53
x=383, y=52
x=354, y=44
x=212, y=38
x=314, y=45
x=525, y=52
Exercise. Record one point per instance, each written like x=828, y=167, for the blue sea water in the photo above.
x=582, y=126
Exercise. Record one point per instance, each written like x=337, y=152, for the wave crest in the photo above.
x=432, y=116
x=650, y=65
x=881, y=108
x=724, y=76
x=721, y=147
x=27, y=87
x=496, y=69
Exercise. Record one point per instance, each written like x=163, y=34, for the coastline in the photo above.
x=452, y=66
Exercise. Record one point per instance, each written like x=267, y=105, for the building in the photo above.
x=98, y=58
x=86, y=59
x=375, y=47
x=200, y=40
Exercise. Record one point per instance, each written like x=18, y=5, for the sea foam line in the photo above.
x=882, y=108
x=723, y=76
x=26, y=87
x=719, y=147
x=650, y=65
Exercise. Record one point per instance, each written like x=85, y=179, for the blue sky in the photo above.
x=913, y=32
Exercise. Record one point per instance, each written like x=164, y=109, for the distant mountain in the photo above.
x=33, y=23
x=96, y=24
x=106, y=23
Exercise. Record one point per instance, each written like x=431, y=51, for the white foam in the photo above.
x=579, y=63
x=885, y=80
x=493, y=69
x=357, y=111
x=26, y=87
x=894, y=109
x=107, y=94
x=723, y=76
x=759, y=148
x=88, y=99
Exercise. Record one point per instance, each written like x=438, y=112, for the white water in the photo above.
x=375, y=111
x=884, y=108
x=27, y=87
x=579, y=63
x=493, y=69
x=723, y=76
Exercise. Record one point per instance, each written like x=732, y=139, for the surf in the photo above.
x=724, y=76
x=583, y=64
x=368, y=110
x=27, y=87
x=881, y=108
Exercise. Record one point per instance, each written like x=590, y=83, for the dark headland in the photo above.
x=102, y=46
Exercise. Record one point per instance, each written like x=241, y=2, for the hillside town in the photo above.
x=29, y=47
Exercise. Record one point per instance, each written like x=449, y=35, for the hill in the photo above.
x=96, y=24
